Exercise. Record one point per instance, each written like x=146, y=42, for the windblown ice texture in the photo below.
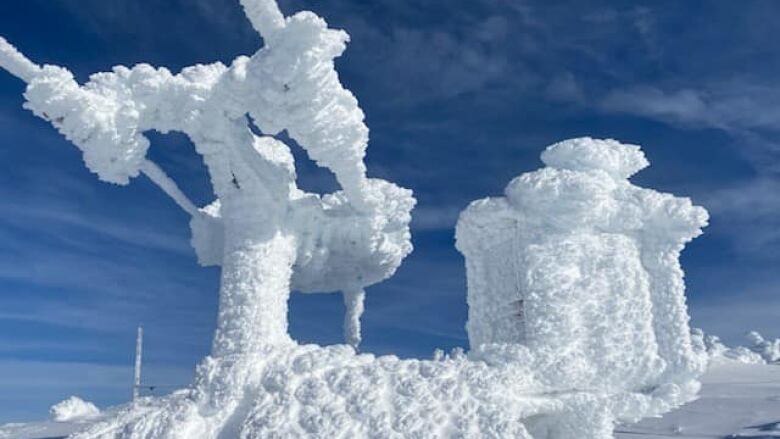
x=577, y=322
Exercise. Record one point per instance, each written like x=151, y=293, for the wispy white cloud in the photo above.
x=681, y=106
x=750, y=114
x=565, y=88
x=733, y=105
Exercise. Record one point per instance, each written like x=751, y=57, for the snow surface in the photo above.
x=73, y=409
x=737, y=400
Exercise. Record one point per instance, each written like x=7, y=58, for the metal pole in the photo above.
x=139, y=344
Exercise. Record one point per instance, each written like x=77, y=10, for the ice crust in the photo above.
x=577, y=315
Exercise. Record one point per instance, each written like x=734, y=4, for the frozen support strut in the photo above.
x=16, y=63
x=354, y=303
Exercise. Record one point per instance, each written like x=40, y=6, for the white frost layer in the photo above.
x=74, y=409
x=582, y=267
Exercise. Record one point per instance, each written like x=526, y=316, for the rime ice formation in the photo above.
x=758, y=351
x=577, y=316
x=73, y=409
x=769, y=350
x=268, y=235
x=582, y=267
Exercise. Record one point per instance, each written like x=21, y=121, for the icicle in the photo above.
x=354, y=301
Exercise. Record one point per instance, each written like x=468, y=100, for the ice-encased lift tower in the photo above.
x=268, y=236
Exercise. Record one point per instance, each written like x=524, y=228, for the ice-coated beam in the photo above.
x=264, y=15
x=354, y=302
x=161, y=179
x=16, y=63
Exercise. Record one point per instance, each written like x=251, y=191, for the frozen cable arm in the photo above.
x=158, y=176
x=265, y=16
x=16, y=63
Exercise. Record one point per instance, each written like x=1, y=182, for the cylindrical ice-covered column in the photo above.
x=255, y=284
x=582, y=267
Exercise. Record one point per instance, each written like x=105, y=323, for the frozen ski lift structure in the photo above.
x=577, y=316
x=267, y=234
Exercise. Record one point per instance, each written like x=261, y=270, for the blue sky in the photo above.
x=460, y=97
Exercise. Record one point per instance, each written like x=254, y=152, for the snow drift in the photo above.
x=577, y=313
x=74, y=409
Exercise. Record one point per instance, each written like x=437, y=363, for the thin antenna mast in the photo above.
x=139, y=345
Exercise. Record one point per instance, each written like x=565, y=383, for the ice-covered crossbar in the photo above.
x=16, y=63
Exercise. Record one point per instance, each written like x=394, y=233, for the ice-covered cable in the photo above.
x=161, y=179
x=354, y=301
x=16, y=63
x=265, y=16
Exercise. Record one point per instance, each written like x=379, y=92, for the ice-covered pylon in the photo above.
x=582, y=267
x=268, y=235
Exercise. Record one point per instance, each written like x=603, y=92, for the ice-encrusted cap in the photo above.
x=585, y=154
